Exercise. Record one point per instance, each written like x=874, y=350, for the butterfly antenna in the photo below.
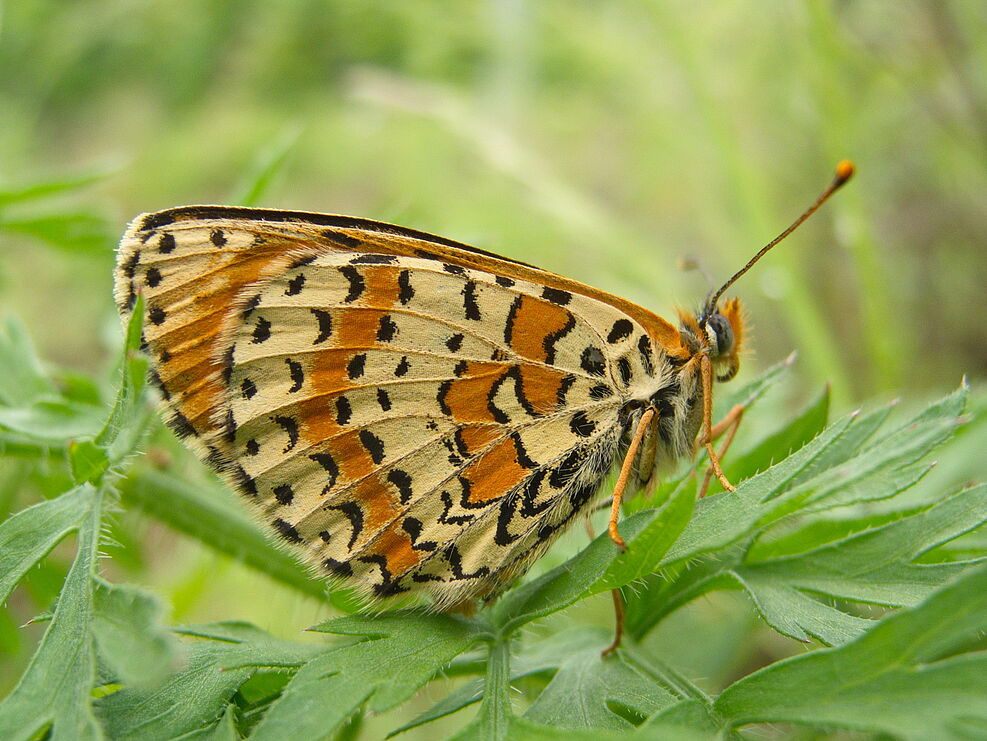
x=844, y=171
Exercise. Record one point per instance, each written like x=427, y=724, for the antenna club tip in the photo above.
x=844, y=171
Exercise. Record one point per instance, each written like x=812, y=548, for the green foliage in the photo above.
x=802, y=537
x=839, y=589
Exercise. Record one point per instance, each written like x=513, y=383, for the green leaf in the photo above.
x=789, y=438
x=590, y=691
x=33, y=414
x=29, y=535
x=875, y=567
x=898, y=678
x=402, y=651
x=129, y=635
x=88, y=461
x=834, y=471
x=10, y=194
x=224, y=657
x=543, y=655
x=24, y=380
x=522, y=728
x=769, y=496
x=78, y=231
x=55, y=690
x=494, y=721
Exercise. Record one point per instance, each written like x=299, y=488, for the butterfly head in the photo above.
x=718, y=331
x=724, y=329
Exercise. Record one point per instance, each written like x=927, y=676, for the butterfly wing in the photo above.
x=414, y=413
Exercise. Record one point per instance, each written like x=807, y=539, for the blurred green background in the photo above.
x=600, y=140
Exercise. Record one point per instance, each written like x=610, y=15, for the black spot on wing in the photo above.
x=621, y=329
x=402, y=367
x=355, y=368
x=592, y=361
x=325, y=325
x=297, y=375
x=287, y=531
x=152, y=277
x=157, y=315
x=181, y=426
x=552, y=338
x=339, y=568
x=331, y=467
x=343, y=410
x=227, y=362
x=455, y=561
x=556, y=296
x=386, y=329
x=248, y=308
x=248, y=388
x=582, y=425
x=646, y=349
x=383, y=400
x=373, y=258
x=407, y=292
x=355, y=515
x=413, y=527
x=129, y=267
x=511, y=317
x=624, y=369
x=284, y=494
x=455, y=342
x=402, y=482
x=339, y=238
x=471, y=309
x=565, y=471
x=295, y=285
x=290, y=427
x=357, y=284
x=167, y=243
x=503, y=280
x=440, y=397
x=523, y=459
x=262, y=331
x=243, y=481
x=217, y=237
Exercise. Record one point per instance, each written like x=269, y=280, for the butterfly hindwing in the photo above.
x=406, y=410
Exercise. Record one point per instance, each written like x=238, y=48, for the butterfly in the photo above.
x=410, y=413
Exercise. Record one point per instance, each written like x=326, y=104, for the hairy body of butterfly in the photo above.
x=403, y=409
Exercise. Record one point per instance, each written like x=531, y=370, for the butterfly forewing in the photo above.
x=409, y=411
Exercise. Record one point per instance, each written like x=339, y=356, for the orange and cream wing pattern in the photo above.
x=405, y=410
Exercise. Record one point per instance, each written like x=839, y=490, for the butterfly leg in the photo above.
x=706, y=438
x=625, y=473
x=729, y=425
x=618, y=631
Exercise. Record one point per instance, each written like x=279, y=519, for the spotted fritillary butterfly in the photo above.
x=409, y=412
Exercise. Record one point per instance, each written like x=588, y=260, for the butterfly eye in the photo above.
x=723, y=333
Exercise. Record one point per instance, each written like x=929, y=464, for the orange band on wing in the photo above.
x=531, y=323
x=494, y=473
